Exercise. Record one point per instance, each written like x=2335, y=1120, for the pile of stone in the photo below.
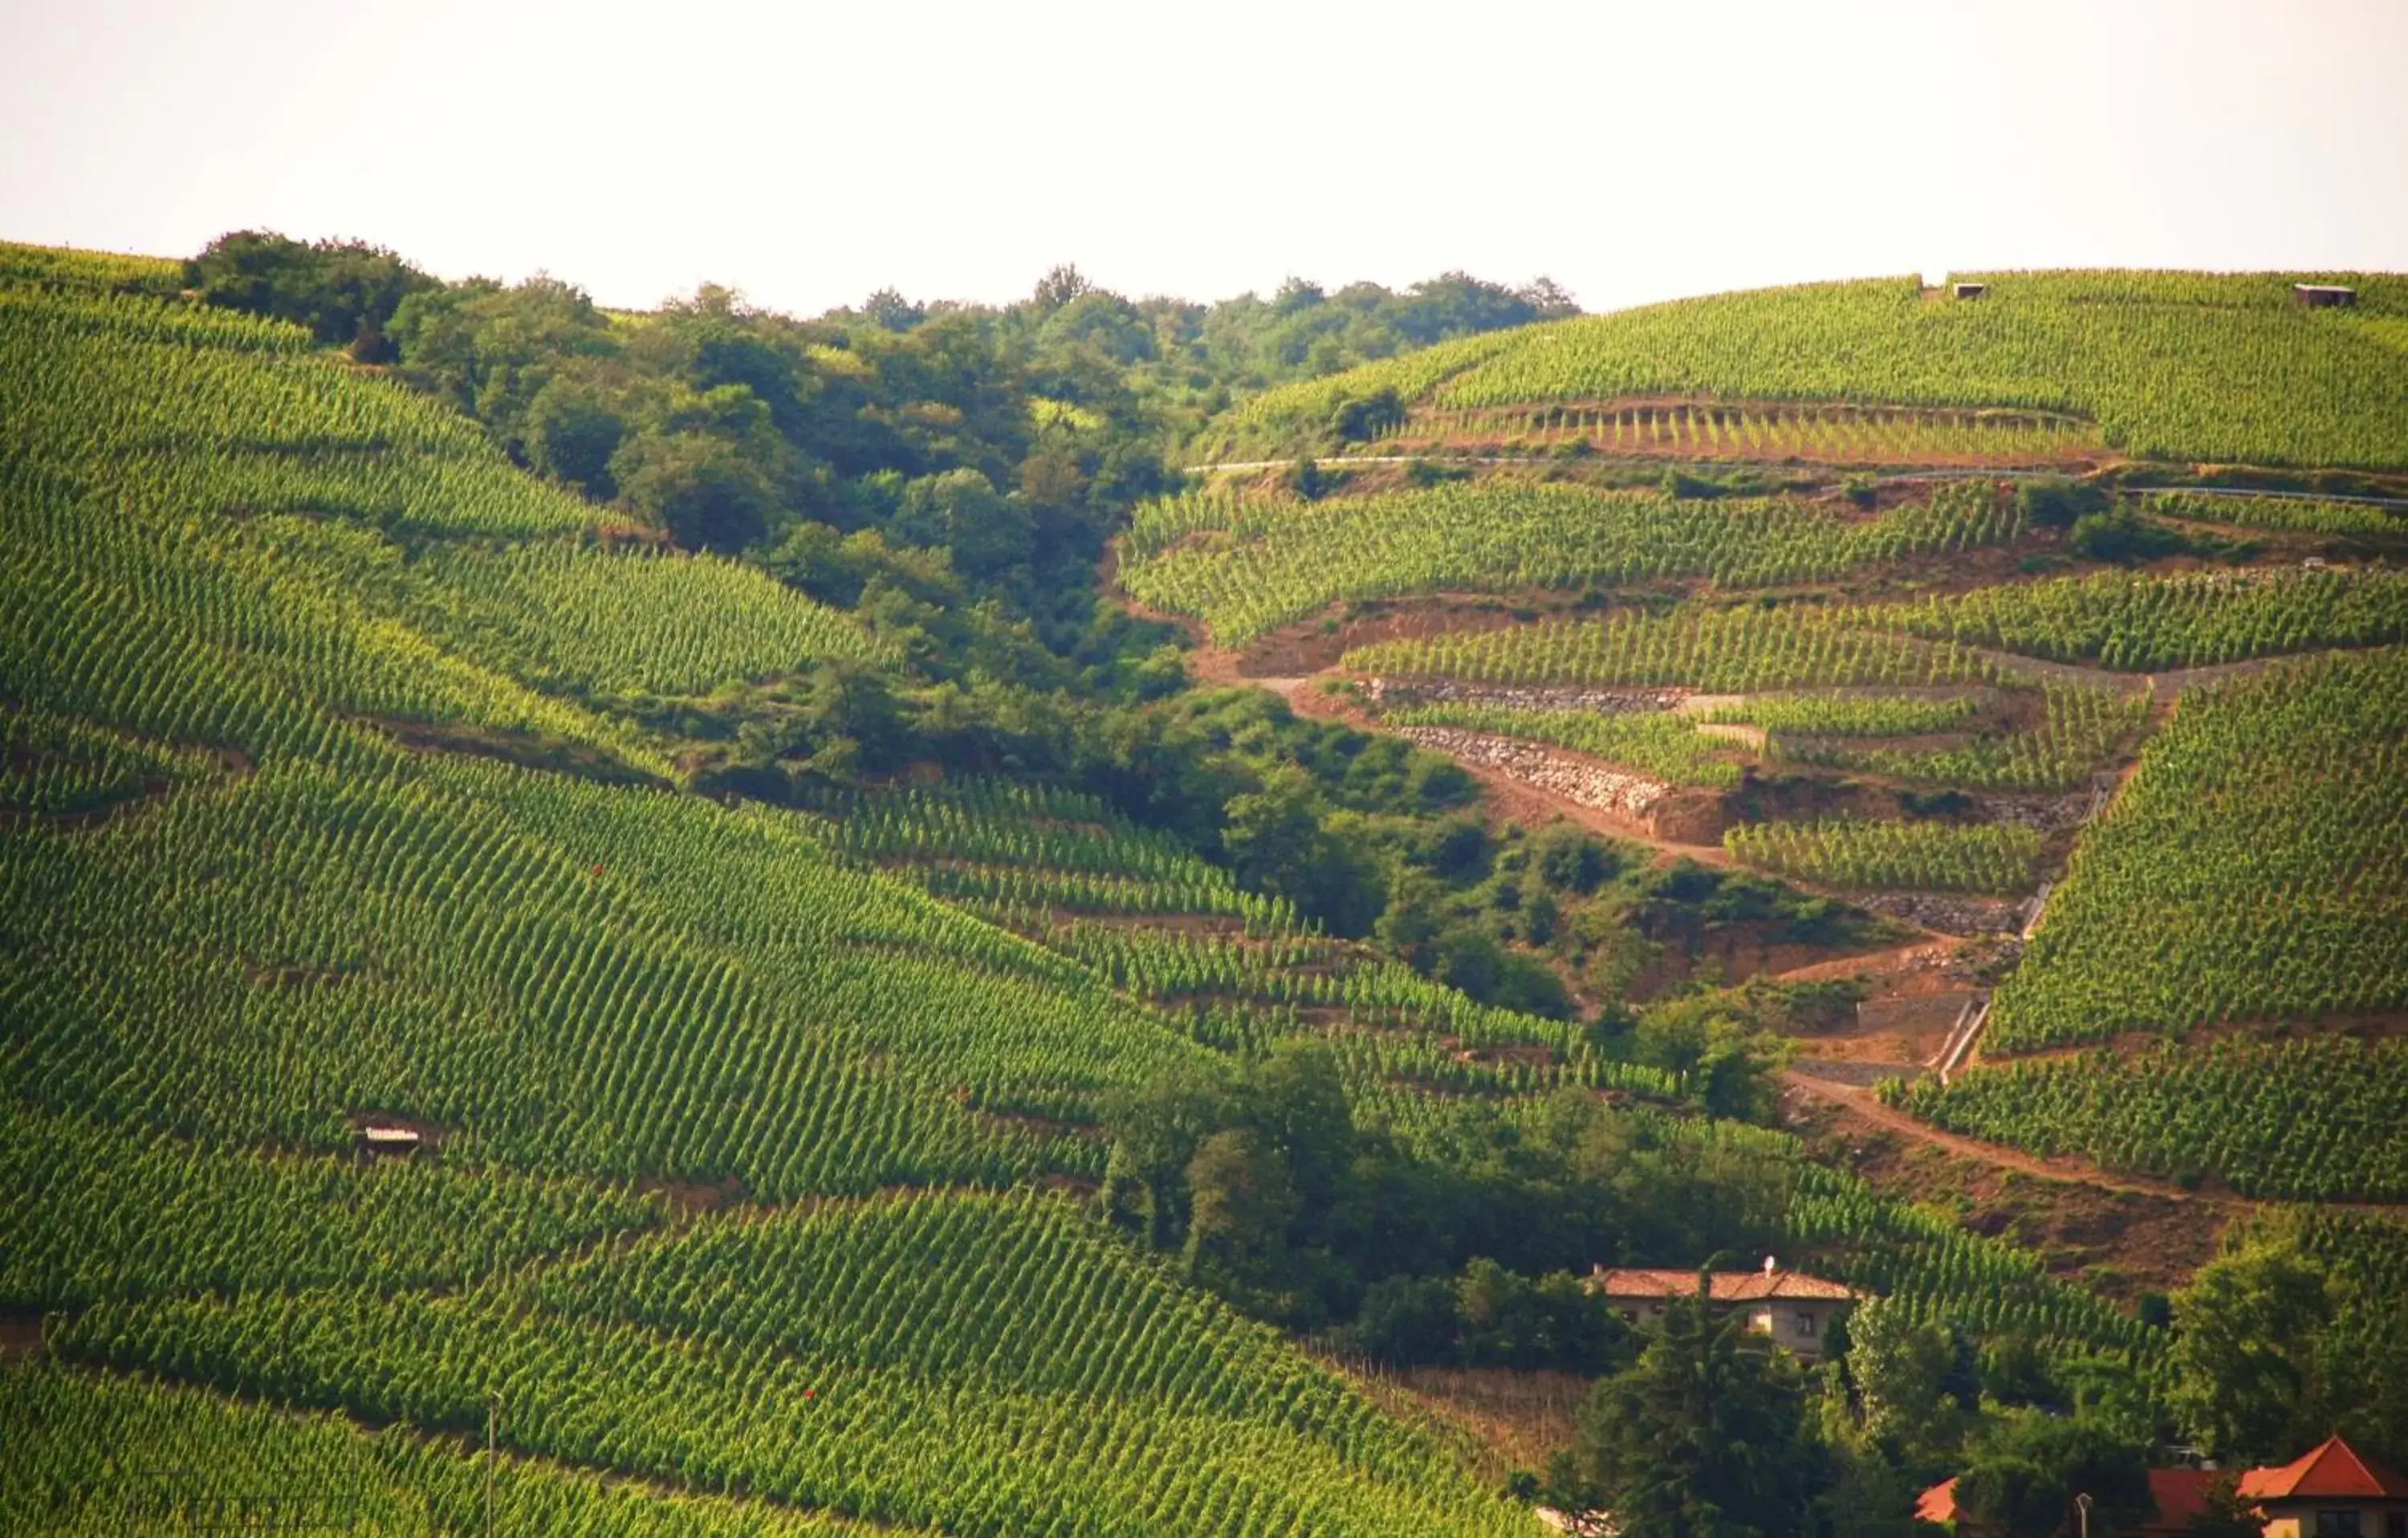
x=1583, y=783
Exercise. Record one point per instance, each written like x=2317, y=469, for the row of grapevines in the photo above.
x=2255, y=866
x=2282, y=514
x=1853, y=715
x=1294, y=558
x=2323, y=1117
x=1696, y=646
x=96, y=1212
x=181, y=628
x=910, y=1380
x=1717, y=430
x=2081, y=727
x=90, y=269
x=1929, y=856
x=2174, y=378
x=101, y=1455
x=575, y=977
x=2143, y=624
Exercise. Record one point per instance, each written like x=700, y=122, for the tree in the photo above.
x=1702, y=1437
x=2248, y=1382
x=2032, y=1466
x=1059, y=286
x=961, y=511
x=1900, y=1366
x=1241, y=1203
x=571, y=433
x=2223, y=1514
x=702, y=488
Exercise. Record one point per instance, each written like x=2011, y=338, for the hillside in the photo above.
x=875, y=1062
x=2042, y=367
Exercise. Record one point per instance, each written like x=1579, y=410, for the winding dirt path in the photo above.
x=1861, y=1105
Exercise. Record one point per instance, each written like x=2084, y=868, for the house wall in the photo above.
x=1801, y=1326
x=2286, y=1519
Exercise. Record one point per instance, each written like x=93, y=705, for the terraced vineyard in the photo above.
x=1243, y=566
x=1934, y=856
x=2169, y=364
x=2152, y=623
x=1770, y=432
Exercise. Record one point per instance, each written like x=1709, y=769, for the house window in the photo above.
x=1805, y=1323
x=2396, y=1525
x=2337, y=1524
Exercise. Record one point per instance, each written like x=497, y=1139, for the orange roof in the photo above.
x=2180, y=1496
x=1937, y=1504
x=1727, y=1286
x=2330, y=1472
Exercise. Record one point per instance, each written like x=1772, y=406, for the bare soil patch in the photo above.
x=2122, y=1243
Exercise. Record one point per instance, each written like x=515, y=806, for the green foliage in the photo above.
x=97, y=1456
x=344, y=292
x=1702, y=1436
x=2049, y=502
x=2081, y=726
x=1851, y=714
x=1694, y=645
x=1901, y=1365
x=2294, y=1331
x=2265, y=836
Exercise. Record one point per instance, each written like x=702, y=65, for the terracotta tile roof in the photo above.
x=1727, y=1286
x=2180, y=1496
x=1937, y=1504
x=2331, y=1472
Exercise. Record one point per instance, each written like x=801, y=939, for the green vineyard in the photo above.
x=2265, y=838
x=2169, y=364
x=2230, y=1109
x=1244, y=567
x=1932, y=857
x=870, y=1025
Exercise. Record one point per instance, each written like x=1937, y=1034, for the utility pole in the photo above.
x=493, y=1414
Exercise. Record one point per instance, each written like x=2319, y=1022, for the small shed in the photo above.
x=376, y=1139
x=1969, y=291
x=2324, y=296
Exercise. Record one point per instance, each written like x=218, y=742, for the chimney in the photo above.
x=1768, y=1265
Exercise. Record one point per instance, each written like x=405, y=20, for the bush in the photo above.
x=2124, y=538
x=2052, y=502
x=344, y=291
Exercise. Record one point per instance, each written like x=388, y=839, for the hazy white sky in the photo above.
x=808, y=153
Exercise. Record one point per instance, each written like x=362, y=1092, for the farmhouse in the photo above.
x=1796, y=1311
x=2332, y=1491
x=2324, y=296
